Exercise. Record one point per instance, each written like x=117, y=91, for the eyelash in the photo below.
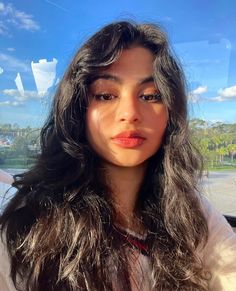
x=108, y=97
x=100, y=97
x=156, y=97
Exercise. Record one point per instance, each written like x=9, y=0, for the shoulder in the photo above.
x=6, y=177
x=6, y=283
x=6, y=193
x=219, y=254
x=217, y=224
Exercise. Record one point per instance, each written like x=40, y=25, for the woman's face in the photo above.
x=126, y=118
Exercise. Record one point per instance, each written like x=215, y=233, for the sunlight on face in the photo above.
x=126, y=118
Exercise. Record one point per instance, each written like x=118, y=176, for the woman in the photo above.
x=112, y=202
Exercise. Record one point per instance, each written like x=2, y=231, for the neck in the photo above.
x=125, y=183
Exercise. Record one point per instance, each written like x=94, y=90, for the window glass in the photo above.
x=38, y=39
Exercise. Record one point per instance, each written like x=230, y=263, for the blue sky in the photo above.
x=39, y=38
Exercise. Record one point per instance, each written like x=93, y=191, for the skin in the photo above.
x=124, y=99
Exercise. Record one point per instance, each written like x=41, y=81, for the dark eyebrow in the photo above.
x=106, y=76
x=146, y=80
x=116, y=79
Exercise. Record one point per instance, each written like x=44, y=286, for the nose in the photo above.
x=128, y=109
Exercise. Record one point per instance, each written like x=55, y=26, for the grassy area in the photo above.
x=17, y=163
x=16, y=166
x=27, y=166
x=222, y=168
x=22, y=162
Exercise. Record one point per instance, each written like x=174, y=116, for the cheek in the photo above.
x=163, y=122
x=160, y=118
x=159, y=127
x=92, y=120
x=95, y=126
x=98, y=118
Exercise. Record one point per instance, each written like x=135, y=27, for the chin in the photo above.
x=128, y=164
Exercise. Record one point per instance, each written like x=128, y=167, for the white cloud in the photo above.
x=11, y=103
x=15, y=94
x=17, y=18
x=3, y=28
x=44, y=74
x=11, y=49
x=25, y=21
x=200, y=90
x=1, y=70
x=193, y=98
x=195, y=95
x=13, y=98
x=216, y=99
x=213, y=121
x=226, y=94
x=12, y=63
x=229, y=92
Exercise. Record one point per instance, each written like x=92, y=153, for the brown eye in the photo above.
x=151, y=98
x=104, y=97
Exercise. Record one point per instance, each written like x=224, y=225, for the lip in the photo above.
x=129, y=139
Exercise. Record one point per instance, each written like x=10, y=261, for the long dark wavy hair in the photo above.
x=59, y=227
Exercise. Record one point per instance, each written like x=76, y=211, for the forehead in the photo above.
x=135, y=62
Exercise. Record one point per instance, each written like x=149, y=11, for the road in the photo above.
x=220, y=188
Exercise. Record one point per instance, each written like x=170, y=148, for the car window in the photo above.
x=38, y=39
